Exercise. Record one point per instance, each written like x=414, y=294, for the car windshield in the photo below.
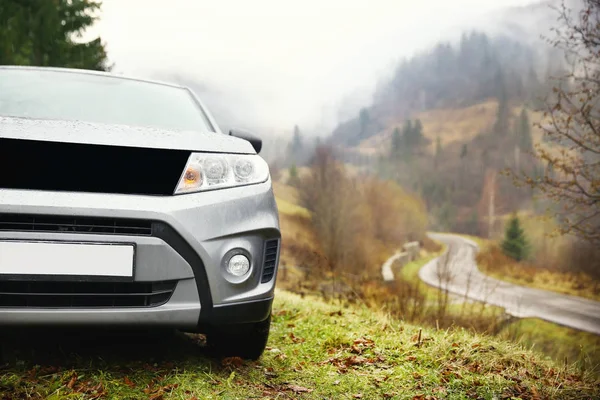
x=72, y=96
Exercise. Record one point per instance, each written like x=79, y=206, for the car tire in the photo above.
x=246, y=341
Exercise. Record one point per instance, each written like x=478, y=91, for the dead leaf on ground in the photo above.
x=299, y=389
x=128, y=382
x=72, y=382
x=296, y=339
x=364, y=342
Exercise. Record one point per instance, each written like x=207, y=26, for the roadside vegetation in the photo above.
x=408, y=298
x=549, y=262
x=316, y=351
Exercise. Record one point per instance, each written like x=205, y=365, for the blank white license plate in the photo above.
x=76, y=259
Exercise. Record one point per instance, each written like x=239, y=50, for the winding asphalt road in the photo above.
x=457, y=272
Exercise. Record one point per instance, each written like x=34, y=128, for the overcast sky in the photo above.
x=280, y=62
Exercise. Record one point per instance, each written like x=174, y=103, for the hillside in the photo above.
x=449, y=122
x=316, y=350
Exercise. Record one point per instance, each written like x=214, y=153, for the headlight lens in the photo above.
x=217, y=171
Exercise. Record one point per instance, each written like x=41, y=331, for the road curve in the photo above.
x=457, y=272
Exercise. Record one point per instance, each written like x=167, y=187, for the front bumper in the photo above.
x=191, y=234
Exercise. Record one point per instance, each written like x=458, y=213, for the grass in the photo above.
x=581, y=349
x=494, y=263
x=316, y=351
x=577, y=348
x=450, y=125
x=571, y=283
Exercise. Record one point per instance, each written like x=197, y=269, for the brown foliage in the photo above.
x=357, y=220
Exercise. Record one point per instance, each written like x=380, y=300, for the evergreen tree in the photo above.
x=297, y=144
x=473, y=223
x=515, y=243
x=464, y=151
x=293, y=179
x=524, y=132
x=407, y=136
x=364, y=121
x=396, y=142
x=41, y=33
x=438, y=151
x=503, y=114
x=417, y=133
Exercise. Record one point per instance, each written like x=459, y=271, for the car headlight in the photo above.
x=205, y=171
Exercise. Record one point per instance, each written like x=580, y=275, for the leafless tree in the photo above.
x=571, y=126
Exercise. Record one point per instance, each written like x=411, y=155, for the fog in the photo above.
x=271, y=64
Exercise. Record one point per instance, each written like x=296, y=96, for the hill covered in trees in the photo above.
x=494, y=80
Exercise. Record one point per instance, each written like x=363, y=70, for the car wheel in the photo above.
x=239, y=340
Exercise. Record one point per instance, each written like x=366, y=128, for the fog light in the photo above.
x=238, y=265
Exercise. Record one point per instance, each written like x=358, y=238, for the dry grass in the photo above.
x=296, y=229
x=454, y=125
x=493, y=262
x=450, y=124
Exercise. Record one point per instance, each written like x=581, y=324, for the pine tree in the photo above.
x=524, y=132
x=501, y=126
x=364, y=121
x=293, y=178
x=407, y=136
x=417, y=133
x=297, y=144
x=515, y=243
x=396, y=142
x=464, y=151
x=438, y=151
x=41, y=33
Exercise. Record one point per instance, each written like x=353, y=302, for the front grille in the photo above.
x=71, y=224
x=45, y=294
x=74, y=167
x=270, y=260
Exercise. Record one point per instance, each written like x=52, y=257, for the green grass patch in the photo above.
x=581, y=349
x=316, y=350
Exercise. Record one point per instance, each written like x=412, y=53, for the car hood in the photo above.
x=120, y=135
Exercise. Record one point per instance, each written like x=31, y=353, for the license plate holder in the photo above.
x=67, y=260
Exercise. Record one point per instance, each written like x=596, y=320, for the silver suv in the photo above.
x=123, y=204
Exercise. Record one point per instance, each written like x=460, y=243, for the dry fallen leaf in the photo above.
x=296, y=339
x=128, y=382
x=72, y=382
x=299, y=389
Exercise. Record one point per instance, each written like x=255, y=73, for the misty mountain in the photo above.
x=480, y=67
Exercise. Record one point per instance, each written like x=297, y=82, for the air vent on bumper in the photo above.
x=270, y=260
x=56, y=294
x=74, y=224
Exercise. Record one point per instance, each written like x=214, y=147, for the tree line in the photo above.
x=48, y=33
